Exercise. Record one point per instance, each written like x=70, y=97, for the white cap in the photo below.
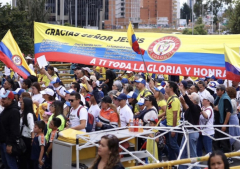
x=209, y=97
x=128, y=71
x=212, y=85
x=48, y=91
x=55, y=69
x=93, y=78
x=87, y=69
x=28, y=57
x=141, y=101
x=85, y=78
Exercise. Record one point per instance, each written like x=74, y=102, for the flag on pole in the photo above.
x=12, y=57
x=133, y=40
x=232, y=64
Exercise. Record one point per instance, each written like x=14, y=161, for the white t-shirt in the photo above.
x=37, y=98
x=27, y=130
x=94, y=110
x=150, y=115
x=61, y=90
x=202, y=94
x=31, y=66
x=125, y=114
x=75, y=119
x=208, y=122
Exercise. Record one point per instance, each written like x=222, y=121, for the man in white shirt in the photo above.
x=94, y=109
x=60, y=90
x=124, y=110
x=78, y=114
x=202, y=91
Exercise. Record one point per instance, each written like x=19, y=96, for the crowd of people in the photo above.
x=35, y=109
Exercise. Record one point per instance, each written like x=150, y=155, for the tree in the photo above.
x=186, y=12
x=234, y=21
x=17, y=22
x=199, y=21
x=198, y=30
x=198, y=6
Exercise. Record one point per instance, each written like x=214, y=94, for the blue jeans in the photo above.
x=173, y=148
x=206, y=142
x=9, y=161
x=193, y=139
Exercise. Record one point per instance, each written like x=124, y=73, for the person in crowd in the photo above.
x=124, y=82
x=59, y=89
x=124, y=110
x=143, y=92
x=79, y=74
x=142, y=107
x=27, y=120
x=8, y=85
x=9, y=129
x=38, y=145
x=192, y=114
x=43, y=79
x=108, y=116
x=115, y=100
x=85, y=93
x=46, y=115
x=29, y=61
x=233, y=131
x=97, y=74
x=87, y=71
x=202, y=90
x=117, y=85
x=151, y=109
x=76, y=87
x=49, y=97
x=17, y=93
x=108, y=154
x=130, y=77
x=26, y=85
x=50, y=73
x=194, y=88
x=78, y=114
x=95, y=100
x=127, y=89
x=112, y=93
x=218, y=160
x=206, y=118
x=172, y=117
x=54, y=125
x=37, y=97
x=132, y=100
x=162, y=104
x=222, y=113
x=110, y=76
x=56, y=108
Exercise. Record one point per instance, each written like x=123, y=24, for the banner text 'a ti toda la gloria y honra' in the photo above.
x=186, y=55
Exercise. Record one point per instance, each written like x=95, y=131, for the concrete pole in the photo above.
x=76, y=13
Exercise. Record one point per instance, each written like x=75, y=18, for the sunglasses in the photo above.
x=71, y=100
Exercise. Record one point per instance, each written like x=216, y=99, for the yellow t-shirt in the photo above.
x=101, y=70
x=142, y=94
x=130, y=79
x=161, y=104
x=43, y=78
x=173, y=104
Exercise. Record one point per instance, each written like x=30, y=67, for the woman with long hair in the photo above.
x=218, y=160
x=26, y=125
x=108, y=116
x=56, y=108
x=36, y=95
x=108, y=154
x=161, y=102
x=151, y=108
x=132, y=100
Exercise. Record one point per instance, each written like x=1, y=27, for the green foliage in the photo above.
x=198, y=30
x=234, y=19
x=17, y=22
x=186, y=12
x=198, y=8
x=199, y=21
x=68, y=24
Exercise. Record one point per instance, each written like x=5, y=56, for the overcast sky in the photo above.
x=5, y=1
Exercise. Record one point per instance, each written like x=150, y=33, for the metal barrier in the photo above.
x=181, y=128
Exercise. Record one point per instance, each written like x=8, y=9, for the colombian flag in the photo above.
x=12, y=57
x=133, y=40
x=232, y=64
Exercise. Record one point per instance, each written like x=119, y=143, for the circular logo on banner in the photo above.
x=164, y=48
x=17, y=60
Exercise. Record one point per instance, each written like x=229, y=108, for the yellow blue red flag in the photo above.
x=232, y=64
x=12, y=57
x=133, y=40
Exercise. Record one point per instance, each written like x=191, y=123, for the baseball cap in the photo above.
x=122, y=96
x=107, y=99
x=131, y=95
x=140, y=102
x=213, y=85
x=48, y=91
x=213, y=77
x=8, y=94
x=208, y=97
x=69, y=91
x=153, y=120
x=55, y=80
x=87, y=69
x=160, y=89
x=222, y=87
x=128, y=71
x=184, y=84
x=84, y=85
x=18, y=91
x=141, y=80
x=124, y=80
x=220, y=81
x=96, y=96
x=28, y=57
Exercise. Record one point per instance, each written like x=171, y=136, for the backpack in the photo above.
x=90, y=120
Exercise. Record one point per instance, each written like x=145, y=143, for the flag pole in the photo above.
x=143, y=60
